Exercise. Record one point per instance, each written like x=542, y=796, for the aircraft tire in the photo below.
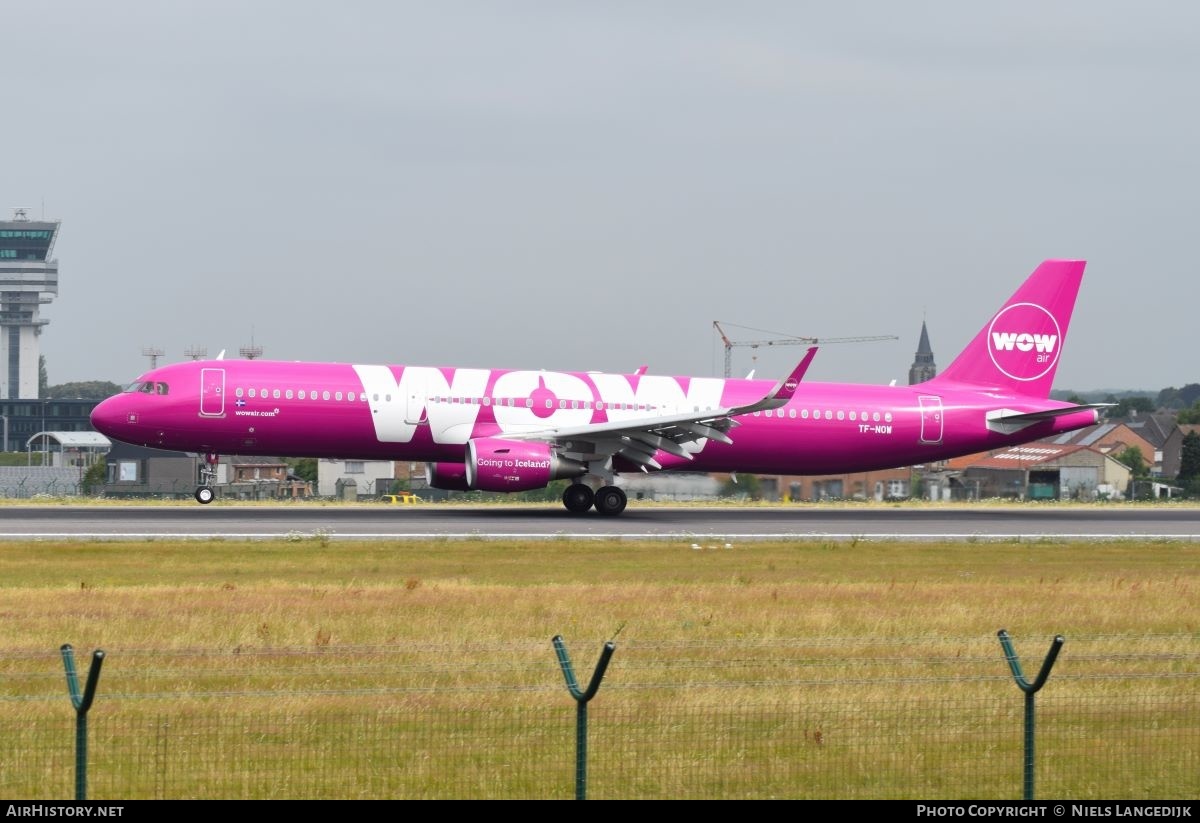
x=205, y=495
x=577, y=498
x=610, y=501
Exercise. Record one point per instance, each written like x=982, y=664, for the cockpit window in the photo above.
x=146, y=387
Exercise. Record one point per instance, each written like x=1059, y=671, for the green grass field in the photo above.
x=894, y=643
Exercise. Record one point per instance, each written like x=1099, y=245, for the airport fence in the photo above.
x=927, y=718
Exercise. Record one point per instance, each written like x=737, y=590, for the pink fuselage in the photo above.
x=256, y=407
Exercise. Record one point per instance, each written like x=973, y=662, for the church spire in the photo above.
x=923, y=367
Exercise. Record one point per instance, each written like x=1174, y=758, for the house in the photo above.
x=1046, y=471
x=261, y=478
x=885, y=484
x=371, y=478
x=138, y=471
x=1172, y=449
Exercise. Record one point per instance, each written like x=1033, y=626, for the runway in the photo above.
x=382, y=522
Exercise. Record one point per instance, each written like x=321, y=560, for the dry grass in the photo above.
x=247, y=629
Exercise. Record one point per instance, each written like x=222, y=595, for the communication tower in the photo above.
x=28, y=279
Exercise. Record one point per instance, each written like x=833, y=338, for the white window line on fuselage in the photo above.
x=335, y=395
x=818, y=415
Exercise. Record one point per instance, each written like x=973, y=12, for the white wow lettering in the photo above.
x=1022, y=341
x=409, y=407
x=544, y=399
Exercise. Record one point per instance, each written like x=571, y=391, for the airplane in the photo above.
x=506, y=430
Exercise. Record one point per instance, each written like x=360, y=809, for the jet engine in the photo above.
x=451, y=476
x=494, y=464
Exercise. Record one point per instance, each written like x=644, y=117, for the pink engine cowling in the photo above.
x=497, y=465
x=451, y=476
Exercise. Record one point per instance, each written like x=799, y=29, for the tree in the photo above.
x=43, y=376
x=1173, y=398
x=747, y=485
x=1191, y=415
x=83, y=390
x=1189, y=464
x=1133, y=403
x=94, y=477
x=1169, y=398
x=305, y=468
x=1132, y=457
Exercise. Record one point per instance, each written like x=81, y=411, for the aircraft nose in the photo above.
x=110, y=416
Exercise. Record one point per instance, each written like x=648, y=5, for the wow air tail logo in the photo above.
x=1023, y=341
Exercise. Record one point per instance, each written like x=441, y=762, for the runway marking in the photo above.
x=300, y=536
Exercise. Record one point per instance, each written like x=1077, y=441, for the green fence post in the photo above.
x=581, y=701
x=1030, y=690
x=81, y=702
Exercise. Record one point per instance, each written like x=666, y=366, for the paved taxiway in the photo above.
x=648, y=522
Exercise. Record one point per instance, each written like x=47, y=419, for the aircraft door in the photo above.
x=931, y=419
x=212, y=392
x=416, y=412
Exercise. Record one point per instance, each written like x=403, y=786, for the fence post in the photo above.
x=581, y=701
x=81, y=702
x=1030, y=690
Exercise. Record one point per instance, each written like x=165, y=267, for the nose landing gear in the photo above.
x=208, y=474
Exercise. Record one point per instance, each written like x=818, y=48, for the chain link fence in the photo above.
x=835, y=718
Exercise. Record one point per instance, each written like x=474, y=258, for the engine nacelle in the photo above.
x=450, y=476
x=497, y=465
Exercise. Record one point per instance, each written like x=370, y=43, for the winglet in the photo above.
x=784, y=389
x=787, y=387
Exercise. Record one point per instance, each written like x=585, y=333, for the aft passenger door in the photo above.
x=212, y=392
x=931, y=419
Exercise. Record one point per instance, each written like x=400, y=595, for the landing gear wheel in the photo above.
x=205, y=495
x=577, y=498
x=610, y=501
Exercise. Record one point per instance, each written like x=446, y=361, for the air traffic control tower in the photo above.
x=28, y=278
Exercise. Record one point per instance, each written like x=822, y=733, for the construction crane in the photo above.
x=786, y=340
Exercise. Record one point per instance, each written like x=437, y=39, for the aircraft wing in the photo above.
x=638, y=439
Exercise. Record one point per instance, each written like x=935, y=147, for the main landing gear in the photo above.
x=608, y=500
x=208, y=474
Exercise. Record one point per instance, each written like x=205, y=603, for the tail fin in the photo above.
x=1018, y=350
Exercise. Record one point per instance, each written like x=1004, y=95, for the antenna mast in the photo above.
x=153, y=352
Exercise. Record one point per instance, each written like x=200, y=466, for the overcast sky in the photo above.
x=583, y=186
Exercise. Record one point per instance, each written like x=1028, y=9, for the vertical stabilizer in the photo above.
x=1018, y=349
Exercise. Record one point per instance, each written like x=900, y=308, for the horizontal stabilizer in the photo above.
x=1007, y=421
